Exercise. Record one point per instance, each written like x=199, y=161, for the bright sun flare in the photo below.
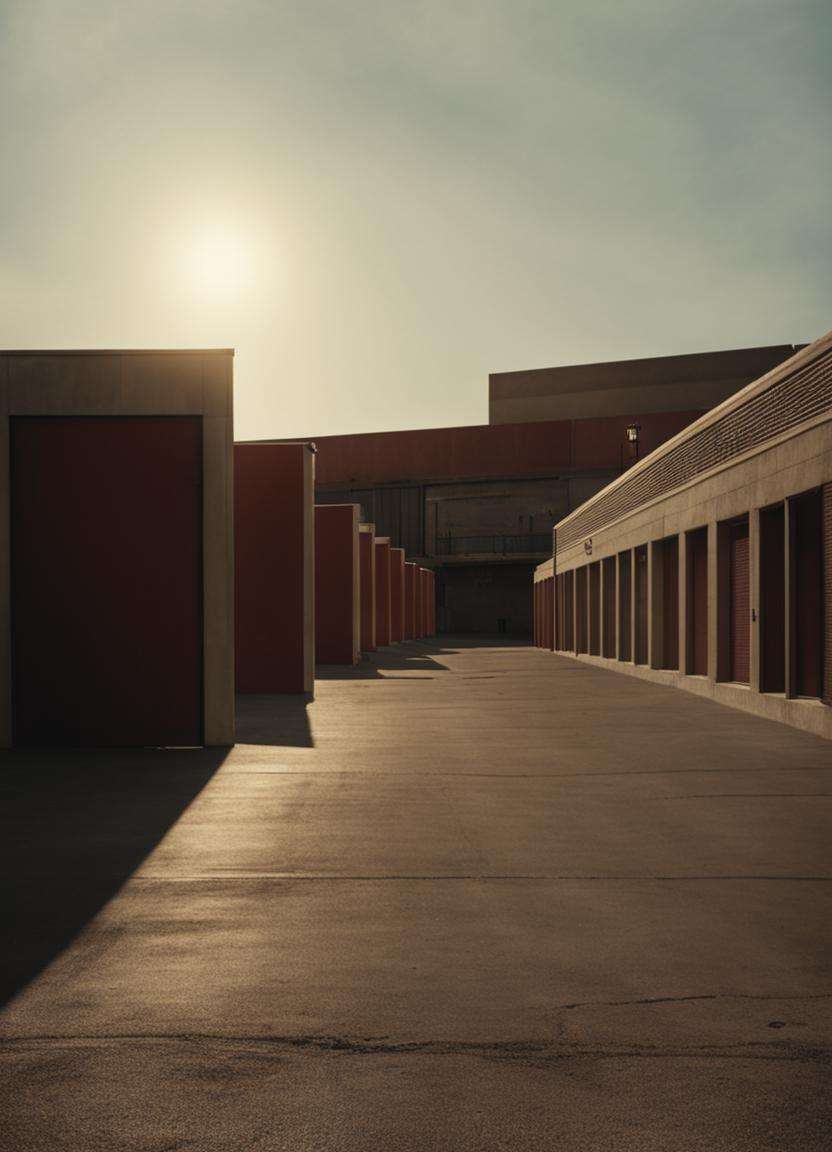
x=220, y=264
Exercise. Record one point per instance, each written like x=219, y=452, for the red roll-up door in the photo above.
x=698, y=602
x=595, y=608
x=739, y=636
x=569, y=611
x=670, y=602
x=808, y=592
x=772, y=625
x=550, y=613
x=106, y=565
x=640, y=577
x=581, y=582
x=609, y=606
x=625, y=606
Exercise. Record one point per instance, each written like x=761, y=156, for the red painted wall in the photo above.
x=382, y=592
x=411, y=602
x=397, y=595
x=337, y=628
x=271, y=580
x=432, y=603
x=367, y=551
x=106, y=565
x=420, y=604
x=489, y=450
x=424, y=611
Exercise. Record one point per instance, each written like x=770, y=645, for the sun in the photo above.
x=220, y=263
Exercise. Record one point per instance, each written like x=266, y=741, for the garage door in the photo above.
x=740, y=604
x=106, y=565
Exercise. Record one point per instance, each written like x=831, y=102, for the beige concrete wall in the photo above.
x=800, y=461
x=309, y=570
x=139, y=383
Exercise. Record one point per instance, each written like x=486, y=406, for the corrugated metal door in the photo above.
x=670, y=602
x=595, y=608
x=641, y=604
x=609, y=607
x=808, y=594
x=697, y=606
x=772, y=600
x=569, y=611
x=624, y=606
x=106, y=566
x=550, y=598
x=581, y=575
x=739, y=620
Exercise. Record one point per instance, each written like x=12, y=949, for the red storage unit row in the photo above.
x=430, y=585
x=337, y=584
x=274, y=538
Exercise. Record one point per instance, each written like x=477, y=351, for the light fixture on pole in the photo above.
x=633, y=431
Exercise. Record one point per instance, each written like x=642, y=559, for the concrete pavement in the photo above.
x=470, y=898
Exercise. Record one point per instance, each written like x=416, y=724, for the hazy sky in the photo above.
x=379, y=202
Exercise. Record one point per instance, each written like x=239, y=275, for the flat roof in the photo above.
x=116, y=351
x=642, y=370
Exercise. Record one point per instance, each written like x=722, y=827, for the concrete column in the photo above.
x=719, y=591
x=617, y=642
x=575, y=610
x=633, y=602
x=655, y=604
x=601, y=589
x=754, y=598
x=683, y=602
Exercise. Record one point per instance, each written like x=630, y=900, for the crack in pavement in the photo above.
x=534, y=1050
x=687, y=999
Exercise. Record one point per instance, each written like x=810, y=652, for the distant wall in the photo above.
x=621, y=387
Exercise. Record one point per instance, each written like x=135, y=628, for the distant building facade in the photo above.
x=478, y=504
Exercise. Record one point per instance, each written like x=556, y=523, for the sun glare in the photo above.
x=220, y=264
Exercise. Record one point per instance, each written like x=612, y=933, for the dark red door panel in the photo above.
x=739, y=632
x=106, y=580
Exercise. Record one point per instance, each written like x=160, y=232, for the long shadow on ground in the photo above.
x=276, y=721
x=386, y=662
x=74, y=826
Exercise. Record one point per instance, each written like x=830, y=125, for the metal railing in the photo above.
x=525, y=544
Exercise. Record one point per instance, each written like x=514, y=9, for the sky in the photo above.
x=377, y=203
